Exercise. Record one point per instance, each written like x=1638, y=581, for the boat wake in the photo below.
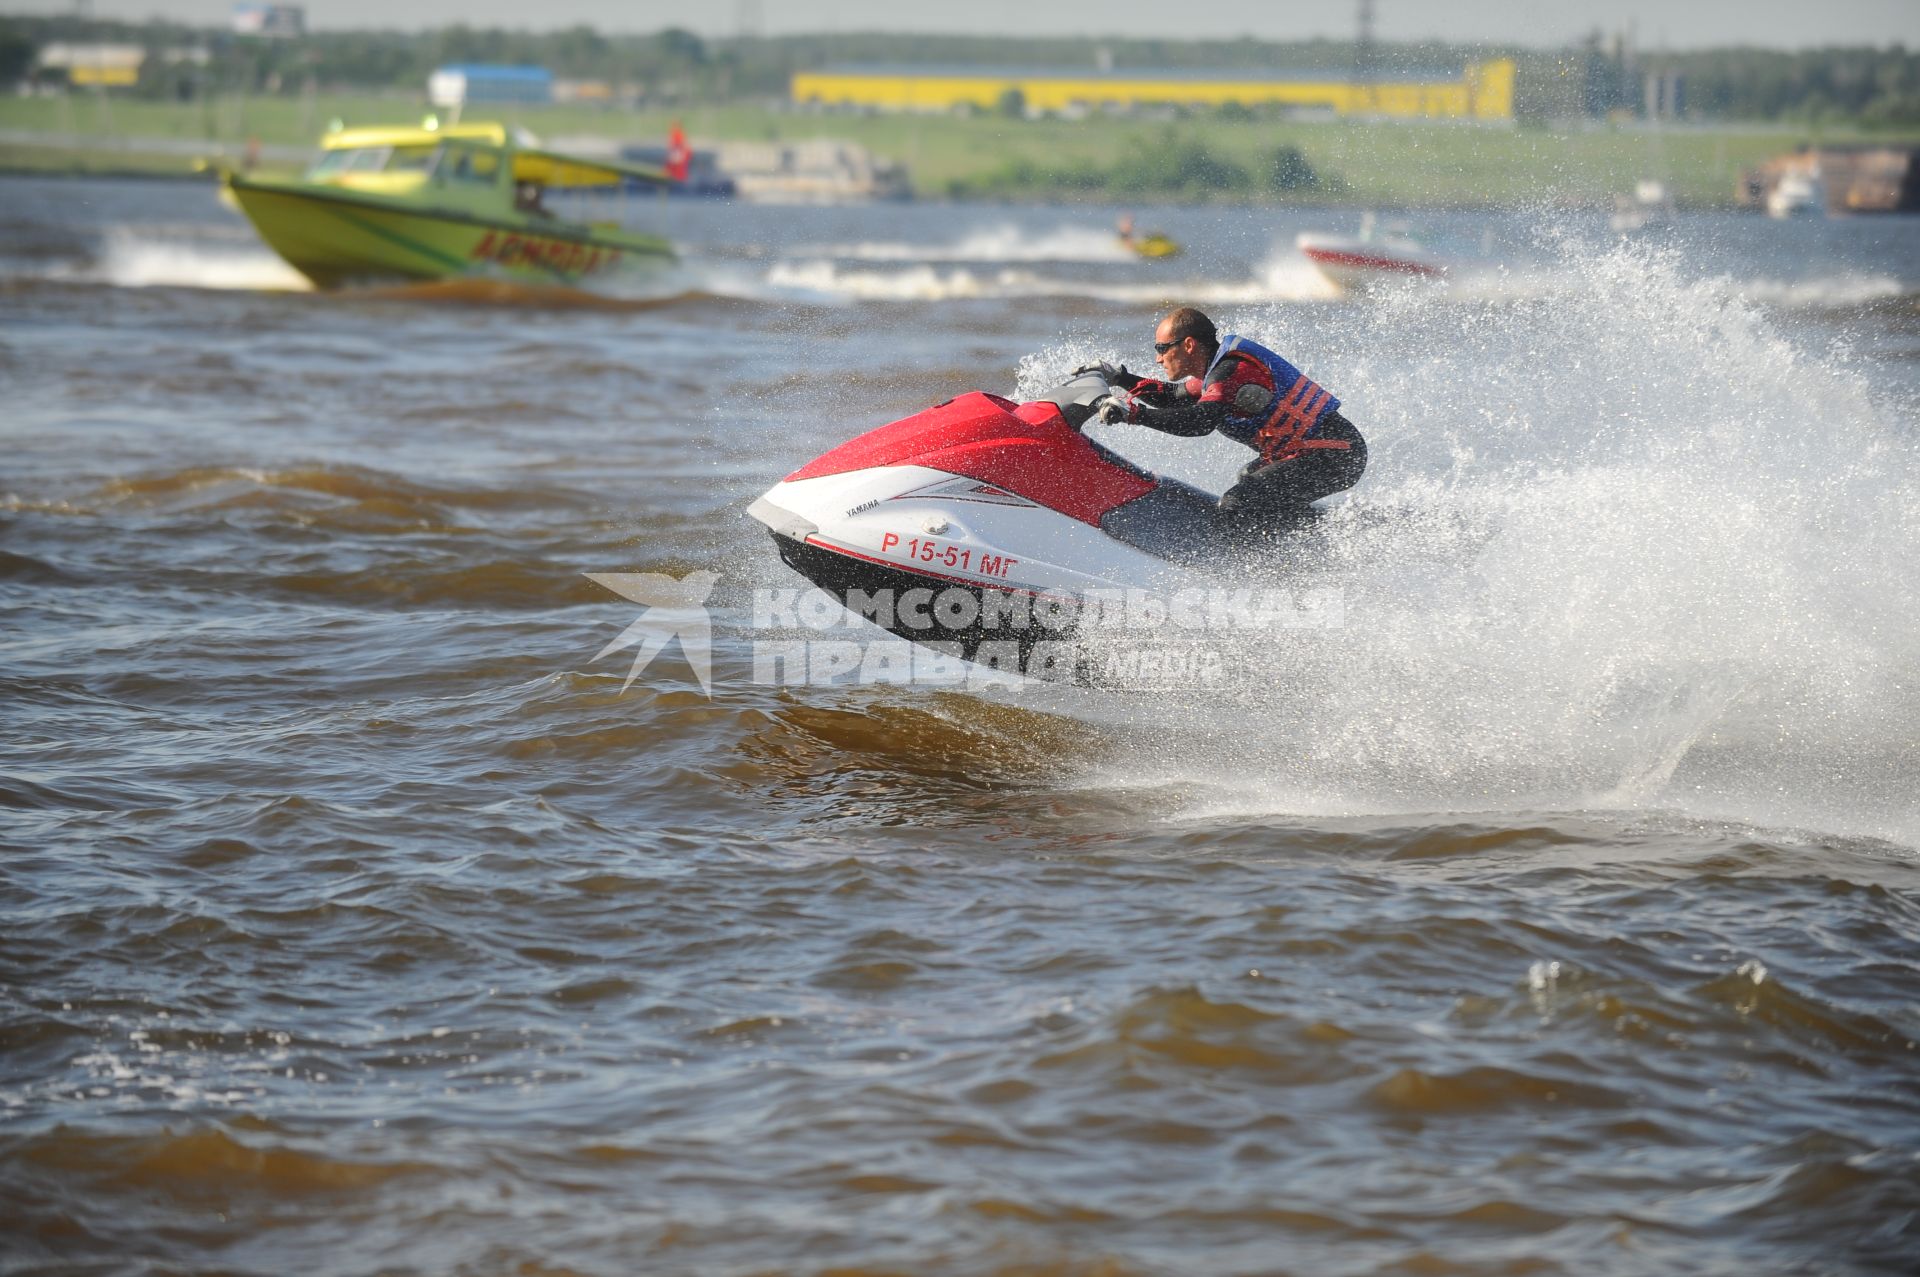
x=994, y=263
x=1837, y=292
x=134, y=258
x=201, y=257
x=1004, y=243
x=1283, y=277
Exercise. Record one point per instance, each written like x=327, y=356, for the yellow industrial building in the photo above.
x=1484, y=91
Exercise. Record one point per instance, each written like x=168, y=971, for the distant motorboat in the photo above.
x=1796, y=194
x=430, y=203
x=1355, y=263
x=1650, y=205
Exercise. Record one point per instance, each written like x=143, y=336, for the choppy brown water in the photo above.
x=352, y=919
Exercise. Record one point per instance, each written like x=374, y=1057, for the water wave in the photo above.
x=373, y=490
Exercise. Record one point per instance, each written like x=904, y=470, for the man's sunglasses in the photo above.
x=1162, y=347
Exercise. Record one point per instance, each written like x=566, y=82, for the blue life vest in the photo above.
x=1299, y=404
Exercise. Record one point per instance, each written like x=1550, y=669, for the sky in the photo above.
x=1672, y=24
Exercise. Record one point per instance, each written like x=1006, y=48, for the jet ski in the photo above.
x=1004, y=515
x=1153, y=246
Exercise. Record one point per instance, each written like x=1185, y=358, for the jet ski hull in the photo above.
x=946, y=612
x=984, y=522
x=930, y=557
x=999, y=533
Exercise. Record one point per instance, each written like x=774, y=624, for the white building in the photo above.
x=275, y=21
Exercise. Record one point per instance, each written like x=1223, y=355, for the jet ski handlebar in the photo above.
x=1077, y=398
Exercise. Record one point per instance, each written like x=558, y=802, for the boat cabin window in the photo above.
x=466, y=164
x=377, y=159
x=411, y=159
x=351, y=159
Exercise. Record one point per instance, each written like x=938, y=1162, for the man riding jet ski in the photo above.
x=1253, y=397
x=981, y=519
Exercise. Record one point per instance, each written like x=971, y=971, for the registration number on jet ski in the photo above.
x=945, y=553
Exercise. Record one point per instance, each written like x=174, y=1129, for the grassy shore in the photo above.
x=80, y=161
x=1401, y=164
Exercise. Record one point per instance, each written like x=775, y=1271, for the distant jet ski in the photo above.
x=1153, y=245
x=997, y=512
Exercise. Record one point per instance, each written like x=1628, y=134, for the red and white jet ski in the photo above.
x=993, y=498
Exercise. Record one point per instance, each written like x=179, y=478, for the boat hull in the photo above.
x=336, y=238
x=1797, y=196
x=1355, y=264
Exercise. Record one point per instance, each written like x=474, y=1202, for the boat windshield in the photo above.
x=351, y=159
x=374, y=159
x=411, y=159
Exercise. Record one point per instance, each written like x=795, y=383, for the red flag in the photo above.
x=679, y=154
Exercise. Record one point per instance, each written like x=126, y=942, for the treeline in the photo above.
x=1869, y=86
x=1176, y=167
x=675, y=63
x=1875, y=87
x=1866, y=85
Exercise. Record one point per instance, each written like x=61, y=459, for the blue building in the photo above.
x=456, y=86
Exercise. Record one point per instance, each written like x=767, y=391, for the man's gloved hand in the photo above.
x=1115, y=409
x=1116, y=374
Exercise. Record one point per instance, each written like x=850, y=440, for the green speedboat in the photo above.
x=385, y=204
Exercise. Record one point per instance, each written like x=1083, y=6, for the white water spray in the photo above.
x=130, y=259
x=1629, y=546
